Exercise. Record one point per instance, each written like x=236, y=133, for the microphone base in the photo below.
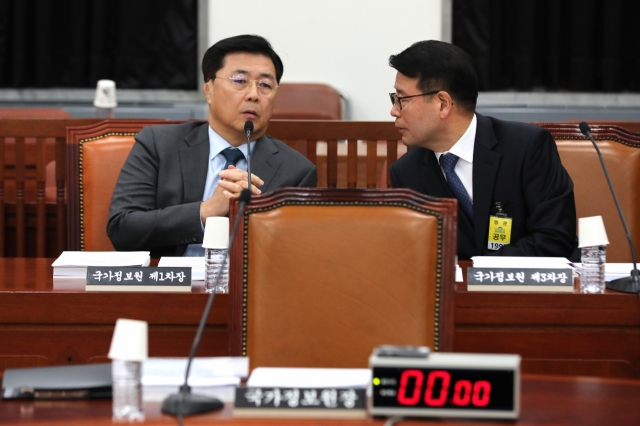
x=191, y=404
x=627, y=284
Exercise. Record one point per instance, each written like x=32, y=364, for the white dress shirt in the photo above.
x=463, y=149
x=216, y=162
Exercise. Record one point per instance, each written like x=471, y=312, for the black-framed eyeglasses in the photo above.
x=397, y=100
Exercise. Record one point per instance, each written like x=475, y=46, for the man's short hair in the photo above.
x=213, y=59
x=440, y=66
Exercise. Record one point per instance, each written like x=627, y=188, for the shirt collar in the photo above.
x=217, y=144
x=463, y=148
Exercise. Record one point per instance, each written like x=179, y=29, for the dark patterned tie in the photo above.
x=232, y=155
x=448, y=163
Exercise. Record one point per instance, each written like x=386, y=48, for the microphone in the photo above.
x=184, y=402
x=248, y=128
x=628, y=284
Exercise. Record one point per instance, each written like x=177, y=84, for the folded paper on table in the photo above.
x=459, y=275
x=218, y=371
x=74, y=263
x=197, y=265
x=310, y=377
x=520, y=262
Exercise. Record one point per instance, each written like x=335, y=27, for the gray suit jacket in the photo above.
x=156, y=201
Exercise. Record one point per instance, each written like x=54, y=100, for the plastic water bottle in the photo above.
x=127, y=390
x=215, y=242
x=213, y=262
x=592, y=275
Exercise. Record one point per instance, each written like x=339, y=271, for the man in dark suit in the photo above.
x=496, y=169
x=178, y=175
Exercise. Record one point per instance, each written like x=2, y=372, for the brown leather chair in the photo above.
x=621, y=151
x=95, y=155
x=307, y=101
x=632, y=126
x=319, y=277
x=33, y=113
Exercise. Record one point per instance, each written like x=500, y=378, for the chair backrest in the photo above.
x=319, y=277
x=621, y=151
x=307, y=101
x=33, y=223
x=349, y=154
x=33, y=113
x=632, y=126
x=95, y=155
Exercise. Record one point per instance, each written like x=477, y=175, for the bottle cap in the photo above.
x=216, y=233
x=591, y=232
x=129, y=342
x=105, y=94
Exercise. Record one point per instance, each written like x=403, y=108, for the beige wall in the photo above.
x=344, y=43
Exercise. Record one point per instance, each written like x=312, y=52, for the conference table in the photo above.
x=570, y=334
x=545, y=400
x=555, y=333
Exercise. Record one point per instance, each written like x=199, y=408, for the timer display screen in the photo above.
x=460, y=389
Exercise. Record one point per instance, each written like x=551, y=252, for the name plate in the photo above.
x=138, y=278
x=520, y=279
x=300, y=402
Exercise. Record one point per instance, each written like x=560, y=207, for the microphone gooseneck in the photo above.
x=185, y=403
x=629, y=284
x=248, y=129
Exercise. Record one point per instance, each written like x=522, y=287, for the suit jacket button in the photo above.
x=194, y=239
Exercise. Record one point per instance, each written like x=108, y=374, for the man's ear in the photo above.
x=446, y=103
x=206, y=88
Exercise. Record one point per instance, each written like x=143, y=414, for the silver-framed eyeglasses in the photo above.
x=397, y=100
x=266, y=85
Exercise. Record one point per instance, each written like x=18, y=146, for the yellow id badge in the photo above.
x=499, y=232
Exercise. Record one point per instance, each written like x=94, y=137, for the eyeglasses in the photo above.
x=397, y=100
x=266, y=86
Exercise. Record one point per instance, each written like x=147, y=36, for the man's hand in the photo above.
x=232, y=182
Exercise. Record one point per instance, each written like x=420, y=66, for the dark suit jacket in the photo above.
x=517, y=165
x=156, y=201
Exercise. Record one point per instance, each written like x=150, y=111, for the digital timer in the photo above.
x=445, y=385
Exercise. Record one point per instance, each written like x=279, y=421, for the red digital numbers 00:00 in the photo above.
x=464, y=392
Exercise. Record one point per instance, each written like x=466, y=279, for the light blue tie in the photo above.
x=448, y=164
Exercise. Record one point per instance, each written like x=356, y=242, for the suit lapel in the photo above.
x=486, y=160
x=264, y=163
x=432, y=180
x=194, y=162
